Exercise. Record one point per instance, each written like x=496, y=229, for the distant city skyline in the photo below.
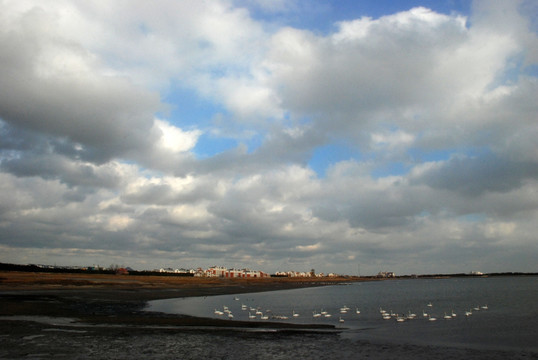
x=374, y=135
x=227, y=272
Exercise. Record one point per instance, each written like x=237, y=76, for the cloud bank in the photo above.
x=191, y=133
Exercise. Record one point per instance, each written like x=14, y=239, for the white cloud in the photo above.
x=417, y=70
x=250, y=101
x=174, y=139
x=392, y=140
x=497, y=230
x=118, y=222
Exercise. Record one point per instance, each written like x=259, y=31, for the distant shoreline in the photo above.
x=7, y=267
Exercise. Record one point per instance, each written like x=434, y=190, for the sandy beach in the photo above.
x=83, y=316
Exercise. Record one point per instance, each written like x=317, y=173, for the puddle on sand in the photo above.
x=32, y=337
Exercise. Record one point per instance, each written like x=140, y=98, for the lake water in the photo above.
x=509, y=323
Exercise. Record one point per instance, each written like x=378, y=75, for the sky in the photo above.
x=347, y=136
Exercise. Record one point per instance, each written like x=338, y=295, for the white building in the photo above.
x=221, y=271
x=386, y=274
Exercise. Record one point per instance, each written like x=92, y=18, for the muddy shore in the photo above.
x=120, y=300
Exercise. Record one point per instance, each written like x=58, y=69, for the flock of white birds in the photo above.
x=257, y=313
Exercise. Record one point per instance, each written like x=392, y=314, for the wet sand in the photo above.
x=81, y=316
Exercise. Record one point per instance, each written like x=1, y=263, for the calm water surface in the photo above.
x=510, y=322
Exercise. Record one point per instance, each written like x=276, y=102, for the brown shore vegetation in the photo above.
x=13, y=280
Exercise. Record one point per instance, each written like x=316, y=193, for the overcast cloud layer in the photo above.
x=197, y=133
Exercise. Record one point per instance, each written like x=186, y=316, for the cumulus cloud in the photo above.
x=420, y=71
x=437, y=113
x=174, y=139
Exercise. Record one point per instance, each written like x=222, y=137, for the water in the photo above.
x=509, y=323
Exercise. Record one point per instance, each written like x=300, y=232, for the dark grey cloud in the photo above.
x=474, y=176
x=106, y=115
x=50, y=166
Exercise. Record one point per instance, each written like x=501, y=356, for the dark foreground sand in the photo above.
x=102, y=317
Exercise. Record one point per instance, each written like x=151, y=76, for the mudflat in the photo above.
x=121, y=299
